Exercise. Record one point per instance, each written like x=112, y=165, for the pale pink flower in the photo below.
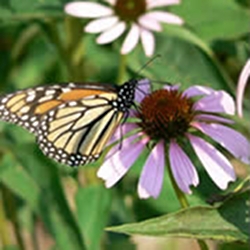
x=168, y=120
x=244, y=76
x=136, y=17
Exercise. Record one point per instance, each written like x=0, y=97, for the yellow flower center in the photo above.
x=165, y=114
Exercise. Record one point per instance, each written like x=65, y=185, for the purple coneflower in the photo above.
x=167, y=121
x=118, y=16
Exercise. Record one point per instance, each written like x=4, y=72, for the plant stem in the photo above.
x=74, y=47
x=122, y=69
x=70, y=49
x=34, y=234
x=8, y=198
x=202, y=244
x=182, y=199
x=4, y=234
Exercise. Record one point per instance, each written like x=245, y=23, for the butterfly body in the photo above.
x=72, y=122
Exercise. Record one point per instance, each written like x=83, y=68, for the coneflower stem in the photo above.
x=182, y=199
x=122, y=69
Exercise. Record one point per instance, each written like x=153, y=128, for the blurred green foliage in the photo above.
x=63, y=208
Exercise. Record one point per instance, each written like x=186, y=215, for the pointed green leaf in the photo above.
x=228, y=222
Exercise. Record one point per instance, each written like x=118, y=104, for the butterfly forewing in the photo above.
x=27, y=106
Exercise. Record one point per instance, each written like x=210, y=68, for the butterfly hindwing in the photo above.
x=75, y=132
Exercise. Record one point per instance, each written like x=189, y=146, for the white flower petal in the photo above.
x=150, y=182
x=245, y=74
x=143, y=88
x=197, y=90
x=216, y=164
x=217, y=102
x=131, y=39
x=101, y=24
x=182, y=168
x=160, y=3
x=112, y=34
x=228, y=138
x=111, y=2
x=114, y=168
x=87, y=9
x=162, y=16
x=149, y=23
x=172, y=87
x=212, y=118
x=148, y=42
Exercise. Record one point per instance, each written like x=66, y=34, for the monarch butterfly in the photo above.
x=71, y=122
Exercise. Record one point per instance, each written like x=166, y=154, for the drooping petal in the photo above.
x=131, y=39
x=148, y=42
x=112, y=34
x=216, y=164
x=87, y=9
x=150, y=182
x=182, y=168
x=228, y=138
x=160, y=3
x=149, y=23
x=165, y=17
x=101, y=24
x=197, y=90
x=115, y=167
x=212, y=118
x=143, y=88
x=217, y=102
x=245, y=74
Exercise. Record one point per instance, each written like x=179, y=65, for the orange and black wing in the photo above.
x=26, y=107
x=76, y=132
x=72, y=122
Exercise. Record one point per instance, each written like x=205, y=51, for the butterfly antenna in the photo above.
x=147, y=63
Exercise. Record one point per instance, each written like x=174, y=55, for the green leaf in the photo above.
x=213, y=19
x=18, y=181
x=52, y=205
x=93, y=206
x=182, y=62
x=15, y=10
x=229, y=222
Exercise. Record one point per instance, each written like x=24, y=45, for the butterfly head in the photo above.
x=126, y=95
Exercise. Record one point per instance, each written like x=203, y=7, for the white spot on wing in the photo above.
x=45, y=98
x=25, y=117
x=4, y=100
x=65, y=90
x=30, y=98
